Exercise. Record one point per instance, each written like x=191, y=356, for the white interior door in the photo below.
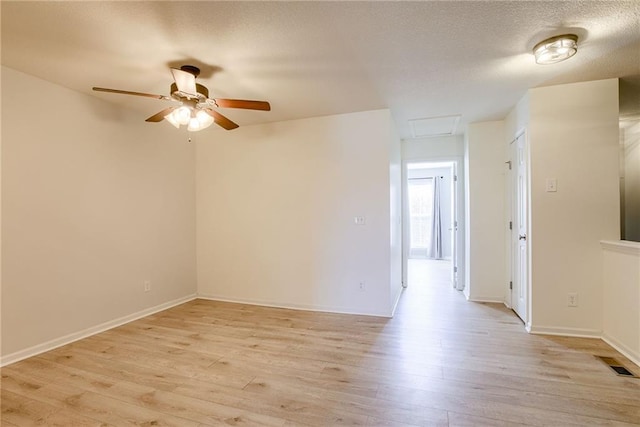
x=454, y=225
x=519, y=229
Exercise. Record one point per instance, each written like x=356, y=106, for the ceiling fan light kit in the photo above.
x=195, y=120
x=556, y=49
x=197, y=109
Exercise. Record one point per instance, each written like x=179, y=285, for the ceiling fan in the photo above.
x=196, y=109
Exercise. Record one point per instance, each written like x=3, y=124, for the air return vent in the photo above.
x=617, y=367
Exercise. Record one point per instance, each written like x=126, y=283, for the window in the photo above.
x=420, y=208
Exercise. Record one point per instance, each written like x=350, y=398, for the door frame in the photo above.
x=459, y=243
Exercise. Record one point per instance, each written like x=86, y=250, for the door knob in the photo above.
x=523, y=237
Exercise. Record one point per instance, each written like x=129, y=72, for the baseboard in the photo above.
x=588, y=333
x=497, y=300
x=565, y=332
x=68, y=339
x=395, y=304
x=626, y=351
x=292, y=306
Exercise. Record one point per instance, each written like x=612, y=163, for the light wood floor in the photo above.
x=441, y=361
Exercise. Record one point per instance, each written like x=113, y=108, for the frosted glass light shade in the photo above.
x=194, y=118
x=200, y=120
x=182, y=115
x=171, y=119
x=204, y=118
x=194, y=125
x=556, y=49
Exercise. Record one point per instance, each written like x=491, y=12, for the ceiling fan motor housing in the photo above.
x=191, y=69
x=199, y=88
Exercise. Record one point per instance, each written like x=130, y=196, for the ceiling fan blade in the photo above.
x=127, y=92
x=158, y=117
x=185, y=81
x=242, y=103
x=221, y=120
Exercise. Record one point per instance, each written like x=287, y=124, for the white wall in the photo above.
x=275, y=214
x=517, y=120
x=573, y=138
x=94, y=202
x=433, y=148
x=395, y=193
x=621, y=297
x=485, y=216
x=631, y=173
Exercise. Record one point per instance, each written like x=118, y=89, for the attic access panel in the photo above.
x=434, y=126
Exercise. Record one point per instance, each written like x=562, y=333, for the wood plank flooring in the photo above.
x=441, y=361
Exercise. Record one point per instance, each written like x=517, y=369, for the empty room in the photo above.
x=320, y=213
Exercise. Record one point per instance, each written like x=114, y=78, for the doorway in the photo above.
x=430, y=213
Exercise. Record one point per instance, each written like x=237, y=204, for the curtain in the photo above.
x=435, y=245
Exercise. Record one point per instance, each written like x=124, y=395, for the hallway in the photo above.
x=480, y=358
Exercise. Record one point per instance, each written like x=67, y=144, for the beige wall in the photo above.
x=275, y=214
x=485, y=212
x=573, y=135
x=94, y=202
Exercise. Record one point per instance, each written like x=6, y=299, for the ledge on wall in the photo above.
x=623, y=246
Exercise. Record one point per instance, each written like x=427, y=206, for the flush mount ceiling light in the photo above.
x=556, y=49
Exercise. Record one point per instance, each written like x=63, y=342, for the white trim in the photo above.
x=626, y=351
x=481, y=299
x=395, y=304
x=622, y=246
x=68, y=339
x=565, y=332
x=292, y=306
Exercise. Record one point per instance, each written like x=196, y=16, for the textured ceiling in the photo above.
x=419, y=59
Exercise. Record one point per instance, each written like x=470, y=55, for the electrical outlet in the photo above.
x=361, y=286
x=572, y=300
x=359, y=220
x=147, y=285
